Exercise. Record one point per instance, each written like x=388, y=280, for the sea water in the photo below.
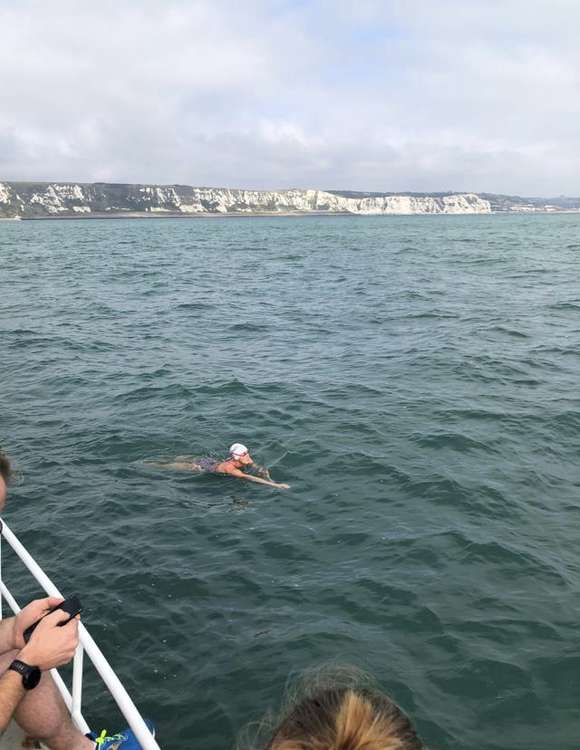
x=414, y=379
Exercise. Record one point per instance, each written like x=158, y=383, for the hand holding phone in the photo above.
x=71, y=606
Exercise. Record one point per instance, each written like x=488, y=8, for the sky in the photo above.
x=378, y=95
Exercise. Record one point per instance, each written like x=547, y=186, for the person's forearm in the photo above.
x=259, y=480
x=11, y=693
x=6, y=635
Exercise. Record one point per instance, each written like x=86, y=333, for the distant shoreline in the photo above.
x=200, y=215
x=269, y=215
x=41, y=201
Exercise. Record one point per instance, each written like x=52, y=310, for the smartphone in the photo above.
x=72, y=606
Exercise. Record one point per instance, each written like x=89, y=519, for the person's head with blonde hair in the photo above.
x=340, y=709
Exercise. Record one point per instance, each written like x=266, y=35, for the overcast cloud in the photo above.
x=369, y=95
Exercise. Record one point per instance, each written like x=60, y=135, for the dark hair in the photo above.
x=341, y=709
x=5, y=469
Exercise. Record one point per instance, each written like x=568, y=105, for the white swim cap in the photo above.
x=237, y=450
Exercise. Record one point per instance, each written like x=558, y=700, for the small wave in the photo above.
x=509, y=332
x=412, y=294
x=454, y=440
x=196, y=306
x=16, y=332
x=481, y=675
x=529, y=272
x=248, y=328
x=565, y=351
x=442, y=491
x=565, y=424
x=571, y=305
x=485, y=415
x=145, y=393
x=509, y=560
x=431, y=315
x=159, y=372
x=386, y=592
x=351, y=539
x=228, y=388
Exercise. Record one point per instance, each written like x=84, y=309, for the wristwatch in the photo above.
x=30, y=675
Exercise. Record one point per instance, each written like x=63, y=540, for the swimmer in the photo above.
x=238, y=460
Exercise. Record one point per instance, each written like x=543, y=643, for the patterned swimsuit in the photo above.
x=208, y=464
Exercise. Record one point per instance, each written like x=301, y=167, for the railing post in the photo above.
x=103, y=668
x=77, y=683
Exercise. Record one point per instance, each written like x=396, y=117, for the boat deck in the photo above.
x=14, y=739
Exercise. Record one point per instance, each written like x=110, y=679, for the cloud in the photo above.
x=273, y=93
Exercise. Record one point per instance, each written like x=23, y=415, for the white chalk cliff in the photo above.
x=70, y=199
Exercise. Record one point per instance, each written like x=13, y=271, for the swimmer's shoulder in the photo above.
x=223, y=467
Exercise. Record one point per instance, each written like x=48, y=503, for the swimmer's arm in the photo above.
x=240, y=475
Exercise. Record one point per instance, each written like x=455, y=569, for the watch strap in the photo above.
x=21, y=667
x=27, y=672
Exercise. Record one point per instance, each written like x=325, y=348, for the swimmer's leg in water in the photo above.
x=177, y=465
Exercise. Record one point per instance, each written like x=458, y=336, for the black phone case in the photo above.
x=72, y=606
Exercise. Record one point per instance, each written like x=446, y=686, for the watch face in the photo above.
x=31, y=679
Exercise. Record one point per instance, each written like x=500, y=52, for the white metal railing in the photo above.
x=86, y=644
